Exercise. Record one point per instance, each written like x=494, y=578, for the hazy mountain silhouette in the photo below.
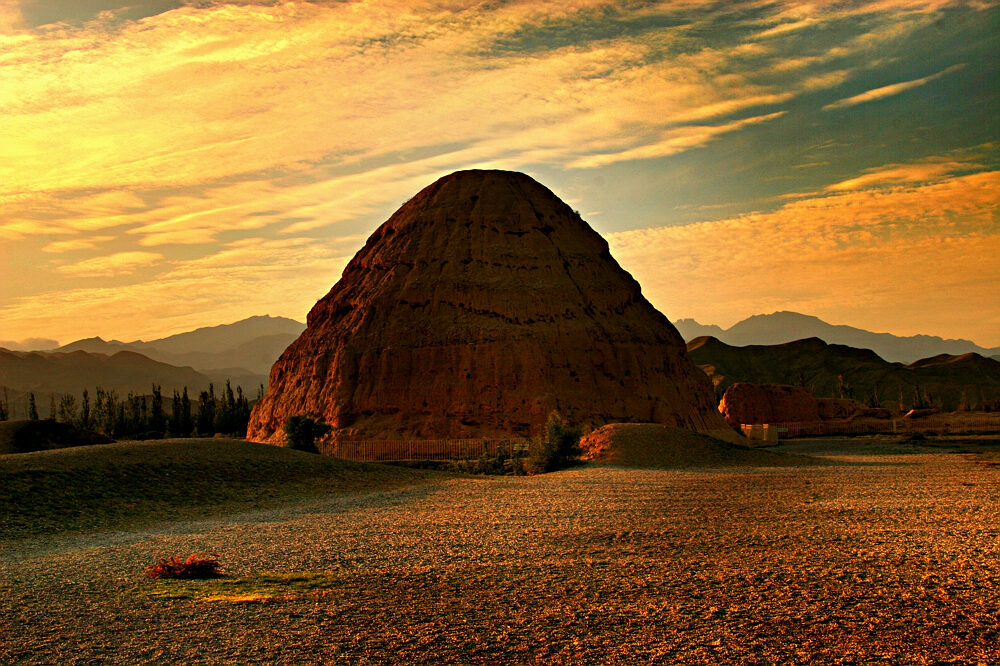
x=834, y=371
x=44, y=373
x=780, y=327
x=246, y=347
x=58, y=373
x=29, y=344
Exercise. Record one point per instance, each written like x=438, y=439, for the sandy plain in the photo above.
x=891, y=555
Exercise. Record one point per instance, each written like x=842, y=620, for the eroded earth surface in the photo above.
x=890, y=557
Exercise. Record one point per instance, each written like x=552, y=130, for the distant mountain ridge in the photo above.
x=781, y=327
x=47, y=374
x=249, y=346
x=834, y=371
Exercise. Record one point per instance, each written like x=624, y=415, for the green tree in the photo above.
x=557, y=448
x=206, y=412
x=85, y=411
x=301, y=433
x=32, y=408
x=241, y=415
x=186, y=423
x=4, y=406
x=157, y=421
x=175, y=414
x=109, y=415
x=225, y=411
x=67, y=408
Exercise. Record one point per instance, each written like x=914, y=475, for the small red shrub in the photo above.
x=193, y=567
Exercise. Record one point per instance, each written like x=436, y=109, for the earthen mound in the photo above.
x=746, y=403
x=767, y=403
x=659, y=446
x=480, y=306
x=27, y=436
x=831, y=409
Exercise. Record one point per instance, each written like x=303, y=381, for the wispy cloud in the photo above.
x=155, y=147
x=242, y=89
x=672, y=141
x=11, y=18
x=76, y=244
x=895, y=174
x=889, y=255
x=121, y=263
x=281, y=277
x=888, y=91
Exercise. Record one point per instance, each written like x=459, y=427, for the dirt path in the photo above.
x=893, y=558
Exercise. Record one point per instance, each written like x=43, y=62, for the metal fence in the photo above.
x=958, y=426
x=376, y=450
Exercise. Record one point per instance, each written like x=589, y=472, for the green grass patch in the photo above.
x=256, y=589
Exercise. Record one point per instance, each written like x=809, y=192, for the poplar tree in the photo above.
x=67, y=408
x=206, y=412
x=85, y=411
x=186, y=424
x=157, y=422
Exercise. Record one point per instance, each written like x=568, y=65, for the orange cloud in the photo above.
x=282, y=278
x=113, y=265
x=895, y=174
x=200, y=94
x=888, y=91
x=144, y=145
x=673, y=141
x=903, y=256
x=76, y=244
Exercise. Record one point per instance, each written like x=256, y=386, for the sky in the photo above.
x=166, y=165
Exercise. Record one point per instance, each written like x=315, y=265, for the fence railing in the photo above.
x=772, y=431
x=376, y=450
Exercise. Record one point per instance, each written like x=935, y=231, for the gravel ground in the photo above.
x=887, y=558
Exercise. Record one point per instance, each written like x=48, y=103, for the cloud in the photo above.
x=888, y=91
x=11, y=18
x=895, y=174
x=120, y=263
x=178, y=128
x=90, y=243
x=199, y=94
x=29, y=344
x=899, y=258
x=278, y=277
x=193, y=129
x=673, y=141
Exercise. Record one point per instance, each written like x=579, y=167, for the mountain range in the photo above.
x=246, y=347
x=831, y=370
x=241, y=352
x=781, y=327
x=783, y=347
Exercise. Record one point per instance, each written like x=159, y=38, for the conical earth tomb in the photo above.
x=480, y=306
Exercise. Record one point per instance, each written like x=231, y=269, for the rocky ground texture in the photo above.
x=890, y=556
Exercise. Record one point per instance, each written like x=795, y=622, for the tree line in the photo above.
x=147, y=416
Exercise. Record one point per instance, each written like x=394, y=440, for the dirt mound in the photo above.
x=779, y=403
x=132, y=483
x=27, y=436
x=660, y=446
x=480, y=306
x=844, y=408
x=767, y=403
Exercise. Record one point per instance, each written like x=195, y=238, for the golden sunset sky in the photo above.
x=166, y=165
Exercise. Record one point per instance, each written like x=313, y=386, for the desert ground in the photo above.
x=885, y=551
